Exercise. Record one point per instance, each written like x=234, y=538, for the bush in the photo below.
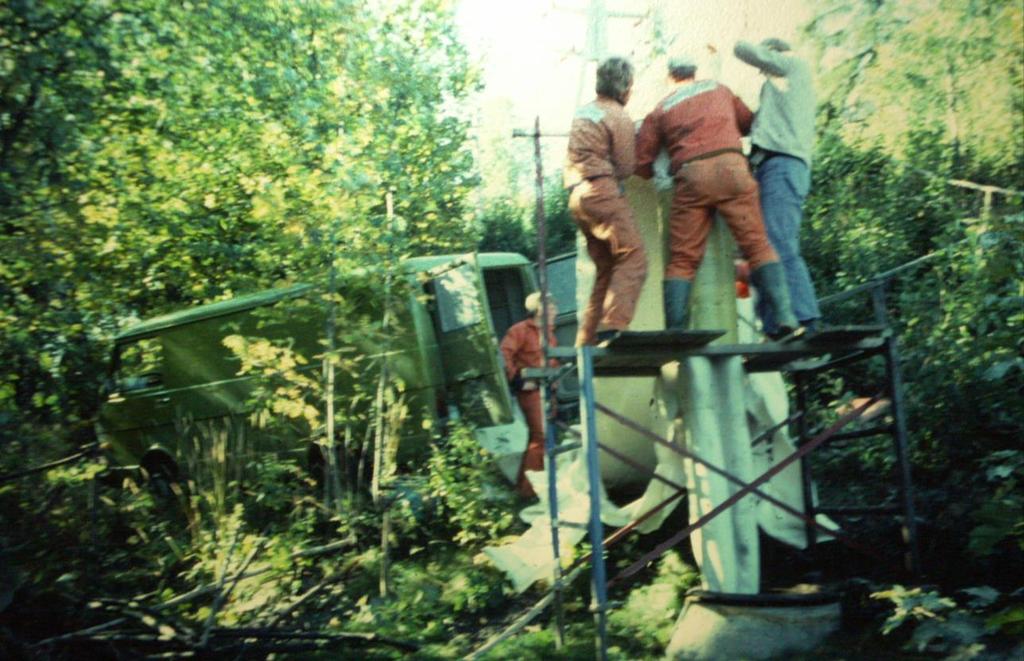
x=475, y=502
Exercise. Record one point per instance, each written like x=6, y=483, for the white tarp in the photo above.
x=767, y=406
x=506, y=443
x=529, y=557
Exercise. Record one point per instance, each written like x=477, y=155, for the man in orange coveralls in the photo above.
x=521, y=347
x=601, y=155
x=701, y=123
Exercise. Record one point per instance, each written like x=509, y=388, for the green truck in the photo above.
x=448, y=314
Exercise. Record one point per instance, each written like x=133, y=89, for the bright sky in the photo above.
x=530, y=51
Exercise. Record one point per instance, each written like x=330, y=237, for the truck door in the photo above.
x=470, y=356
x=137, y=413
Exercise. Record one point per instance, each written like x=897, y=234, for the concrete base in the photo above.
x=716, y=626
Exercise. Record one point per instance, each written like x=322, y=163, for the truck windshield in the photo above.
x=458, y=298
x=139, y=364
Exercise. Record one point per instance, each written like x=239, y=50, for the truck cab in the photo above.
x=440, y=349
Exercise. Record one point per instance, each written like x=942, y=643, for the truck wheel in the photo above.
x=316, y=461
x=161, y=472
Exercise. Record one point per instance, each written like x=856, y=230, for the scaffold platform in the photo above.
x=643, y=353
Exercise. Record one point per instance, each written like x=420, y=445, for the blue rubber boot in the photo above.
x=676, y=292
x=770, y=281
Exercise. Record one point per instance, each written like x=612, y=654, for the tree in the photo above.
x=508, y=225
x=906, y=66
x=925, y=94
x=160, y=154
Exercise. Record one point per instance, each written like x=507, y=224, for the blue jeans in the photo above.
x=785, y=181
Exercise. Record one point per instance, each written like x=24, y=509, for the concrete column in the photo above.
x=715, y=420
x=700, y=403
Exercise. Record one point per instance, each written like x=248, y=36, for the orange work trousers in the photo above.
x=614, y=244
x=533, y=456
x=724, y=183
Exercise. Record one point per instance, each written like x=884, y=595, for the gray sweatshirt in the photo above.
x=785, y=119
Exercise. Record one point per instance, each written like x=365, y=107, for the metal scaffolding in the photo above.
x=644, y=354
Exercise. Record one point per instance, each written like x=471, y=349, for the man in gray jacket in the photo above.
x=783, y=139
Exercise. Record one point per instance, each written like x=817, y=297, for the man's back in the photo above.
x=601, y=143
x=695, y=120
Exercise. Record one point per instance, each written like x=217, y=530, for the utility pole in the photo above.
x=596, y=45
x=596, y=49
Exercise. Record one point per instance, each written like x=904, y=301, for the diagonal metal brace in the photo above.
x=745, y=490
x=680, y=489
x=809, y=520
x=735, y=480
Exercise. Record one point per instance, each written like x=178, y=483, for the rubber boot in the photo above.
x=676, y=292
x=770, y=280
x=812, y=325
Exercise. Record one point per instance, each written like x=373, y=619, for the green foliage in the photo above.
x=886, y=191
x=959, y=320
x=505, y=225
x=937, y=624
x=436, y=591
x=538, y=642
x=473, y=589
x=508, y=224
x=1001, y=518
x=954, y=66
x=228, y=462
x=649, y=615
x=167, y=153
x=561, y=226
x=966, y=335
x=161, y=154
x=1010, y=621
x=474, y=501
x=913, y=605
x=75, y=474
x=286, y=388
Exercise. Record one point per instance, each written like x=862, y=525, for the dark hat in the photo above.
x=776, y=44
x=682, y=66
x=682, y=61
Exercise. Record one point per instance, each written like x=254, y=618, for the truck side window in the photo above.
x=505, y=297
x=458, y=299
x=139, y=365
x=562, y=283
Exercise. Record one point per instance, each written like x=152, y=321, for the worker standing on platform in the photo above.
x=600, y=157
x=521, y=347
x=782, y=135
x=701, y=124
